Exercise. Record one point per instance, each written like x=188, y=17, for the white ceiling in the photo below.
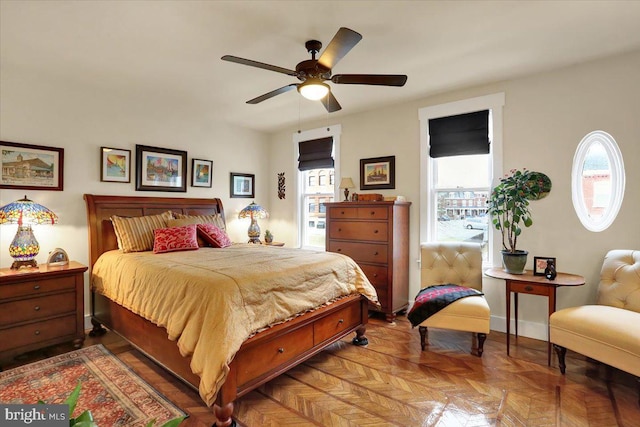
x=171, y=50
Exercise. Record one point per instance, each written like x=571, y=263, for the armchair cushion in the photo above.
x=432, y=299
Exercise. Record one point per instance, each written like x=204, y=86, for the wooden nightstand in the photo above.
x=40, y=307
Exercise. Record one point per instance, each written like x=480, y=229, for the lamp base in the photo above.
x=346, y=194
x=32, y=263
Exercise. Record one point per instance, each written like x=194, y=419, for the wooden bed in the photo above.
x=260, y=358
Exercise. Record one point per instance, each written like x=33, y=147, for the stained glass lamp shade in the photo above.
x=25, y=213
x=254, y=212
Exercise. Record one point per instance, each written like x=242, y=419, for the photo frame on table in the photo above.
x=540, y=263
x=378, y=173
x=201, y=173
x=31, y=167
x=160, y=169
x=115, y=165
x=242, y=185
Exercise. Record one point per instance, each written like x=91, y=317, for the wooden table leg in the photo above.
x=515, y=302
x=552, y=309
x=508, y=288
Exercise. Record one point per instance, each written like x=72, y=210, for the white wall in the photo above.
x=545, y=117
x=81, y=117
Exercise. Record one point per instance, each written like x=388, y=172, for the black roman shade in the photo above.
x=315, y=154
x=459, y=135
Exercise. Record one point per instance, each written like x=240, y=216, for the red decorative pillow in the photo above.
x=214, y=235
x=175, y=239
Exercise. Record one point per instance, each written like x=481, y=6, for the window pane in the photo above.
x=314, y=210
x=462, y=171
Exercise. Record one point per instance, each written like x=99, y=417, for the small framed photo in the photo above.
x=242, y=185
x=201, y=173
x=540, y=263
x=378, y=173
x=115, y=165
x=160, y=169
x=31, y=167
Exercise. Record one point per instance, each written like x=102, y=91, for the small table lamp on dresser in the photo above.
x=346, y=183
x=25, y=213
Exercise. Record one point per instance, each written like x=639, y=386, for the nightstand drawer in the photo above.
x=37, y=308
x=373, y=213
x=353, y=230
x=36, y=287
x=37, y=332
x=360, y=252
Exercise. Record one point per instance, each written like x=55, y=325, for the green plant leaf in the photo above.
x=174, y=422
x=72, y=400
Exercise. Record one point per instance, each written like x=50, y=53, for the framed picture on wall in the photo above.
x=242, y=185
x=160, y=169
x=115, y=165
x=201, y=173
x=31, y=167
x=378, y=173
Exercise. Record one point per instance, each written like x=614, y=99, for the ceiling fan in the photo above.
x=313, y=72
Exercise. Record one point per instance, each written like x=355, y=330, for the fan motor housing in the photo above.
x=311, y=68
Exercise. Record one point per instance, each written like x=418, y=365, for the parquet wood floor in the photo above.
x=392, y=383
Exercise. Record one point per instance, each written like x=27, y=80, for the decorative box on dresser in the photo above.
x=376, y=236
x=40, y=307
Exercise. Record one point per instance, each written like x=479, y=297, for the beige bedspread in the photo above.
x=211, y=300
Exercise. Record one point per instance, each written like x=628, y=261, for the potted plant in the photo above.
x=509, y=210
x=268, y=237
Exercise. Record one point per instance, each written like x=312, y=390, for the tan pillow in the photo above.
x=216, y=220
x=135, y=234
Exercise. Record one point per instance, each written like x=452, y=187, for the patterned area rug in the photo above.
x=115, y=395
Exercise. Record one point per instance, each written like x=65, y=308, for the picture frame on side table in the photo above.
x=201, y=173
x=31, y=167
x=242, y=185
x=378, y=173
x=540, y=263
x=115, y=165
x=160, y=169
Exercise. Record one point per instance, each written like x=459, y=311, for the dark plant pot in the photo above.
x=514, y=262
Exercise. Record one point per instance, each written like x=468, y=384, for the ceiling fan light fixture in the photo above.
x=313, y=89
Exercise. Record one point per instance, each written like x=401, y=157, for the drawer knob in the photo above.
x=281, y=350
x=340, y=321
x=339, y=250
x=36, y=308
x=36, y=287
x=373, y=212
x=341, y=212
x=339, y=229
x=375, y=231
x=375, y=253
x=37, y=332
x=528, y=288
x=375, y=274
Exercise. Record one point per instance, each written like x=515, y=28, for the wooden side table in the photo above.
x=528, y=283
x=40, y=307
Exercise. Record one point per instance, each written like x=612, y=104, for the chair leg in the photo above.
x=423, y=336
x=561, y=352
x=481, y=339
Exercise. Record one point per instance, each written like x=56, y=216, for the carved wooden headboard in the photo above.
x=100, y=209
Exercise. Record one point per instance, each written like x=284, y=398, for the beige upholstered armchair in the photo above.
x=460, y=264
x=607, y=331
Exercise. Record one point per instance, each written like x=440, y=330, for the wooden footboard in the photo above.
x=261, y=358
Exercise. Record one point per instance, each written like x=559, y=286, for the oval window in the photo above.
x=597, y=180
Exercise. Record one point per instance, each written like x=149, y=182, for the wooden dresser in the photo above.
x=376, y=236
x=40, y=307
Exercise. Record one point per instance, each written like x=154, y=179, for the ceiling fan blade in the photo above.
x=271, y=94
x=331, y=103
x=370, y=79
x=344, y=40
x=257, y=64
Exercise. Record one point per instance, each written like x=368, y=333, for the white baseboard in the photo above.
x=525, y=329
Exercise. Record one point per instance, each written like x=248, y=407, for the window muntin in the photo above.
x=597, y=181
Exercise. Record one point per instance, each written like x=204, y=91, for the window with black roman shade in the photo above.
x=459, y=135
x=315, y=154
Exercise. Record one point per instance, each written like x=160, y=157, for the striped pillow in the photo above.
x=135, y=234
x=216, y=219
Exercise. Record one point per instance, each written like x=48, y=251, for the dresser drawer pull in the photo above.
x=36, y=287
x=340, y=321
x=375, y=231
x=375, y=274
x=528, y=288
x=37, y=332
x=36, y=308
x=375, y=253
x=281, y=350
x=341, y=212
x=373, y=212
x=339, y=229
x=339, y=250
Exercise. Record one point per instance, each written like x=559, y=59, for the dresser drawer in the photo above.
x=256, y=361
x=343, y=212
x=376, y=274
x=360, y=252
x=335, y=323
x=373, y=213
x=37, y=332
x=364, y=212
x=354, y=230
x=36, y=287
x=37, y=308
